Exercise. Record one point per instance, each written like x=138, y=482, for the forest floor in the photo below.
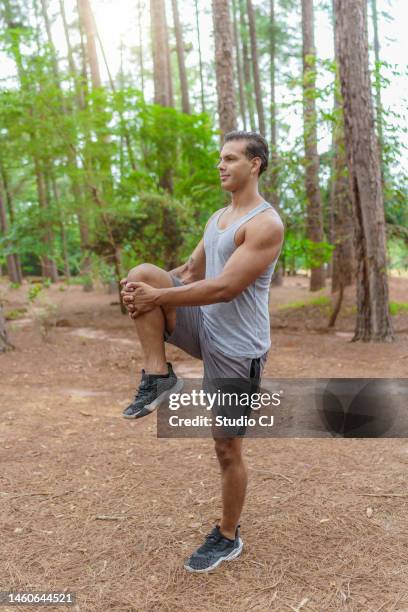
x=98, y=505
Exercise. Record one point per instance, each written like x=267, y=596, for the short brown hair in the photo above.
x=256, y=146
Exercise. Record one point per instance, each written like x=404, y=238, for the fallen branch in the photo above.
x=383, y=494
x=273, y=474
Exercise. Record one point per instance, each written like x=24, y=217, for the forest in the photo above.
x=98, y=174
x=112, y=116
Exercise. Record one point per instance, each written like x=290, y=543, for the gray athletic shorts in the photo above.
x=191, y=336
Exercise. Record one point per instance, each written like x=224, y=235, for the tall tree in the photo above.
x=224, y=68
x=87, y=21
x=341, y=209
x=140, y=50
x=160, y=48
x=237, y=48
x=378, y=103
x=373, y=317
x=277, y=279
x=273, y=111
x=12, y=269
x=246, y=60
x=51, y=170
x=13, y=16
x=73, y=166
x=200, y=59
x=185, y=102
x=314, y=206
x=272, y=50
x=5, y=344
x=255, y=68
x=70, y=56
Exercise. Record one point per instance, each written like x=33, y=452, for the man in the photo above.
x=215, y=307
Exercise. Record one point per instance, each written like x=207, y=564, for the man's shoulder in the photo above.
x=272, y=212
x=266, y=222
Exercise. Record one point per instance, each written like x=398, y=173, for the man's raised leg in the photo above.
x=151, y=323
x=158, y=377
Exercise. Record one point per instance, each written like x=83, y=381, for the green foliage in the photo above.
x=398, y=307
x=141, y=178
x=397, y=249
x=321, y=301
x=17, y=313
x=34, y=291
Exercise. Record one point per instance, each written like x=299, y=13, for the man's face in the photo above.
x=236, y=170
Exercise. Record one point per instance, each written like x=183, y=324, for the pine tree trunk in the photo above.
x=274, y=137
x=373, y=316
x=140, y=53
x=87, y=20
x=237, y=48
x=314, y=208
x=63, y=234
x=341, y=209
x=5, y=344
x=168, y=60
x=342, y=217
x=161, y=62
x=247, y=65
x=85, y=266
x=277, y=278
x=84, y=64
x=185, y=102
x=63, y=109
x=48, y=266
x=200, y=59
x=70, y=56
x=10, y=209
x=224, y=68
x=255, y=68
x=11, y=263
x=378, y=103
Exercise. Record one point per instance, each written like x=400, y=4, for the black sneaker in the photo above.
x=215, y=549
x=152, y=390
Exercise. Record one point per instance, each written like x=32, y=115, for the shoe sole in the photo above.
x=149, y=408
x=233, y=555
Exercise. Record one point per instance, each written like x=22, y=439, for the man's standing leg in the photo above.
x=234, y=480
x=224, y=542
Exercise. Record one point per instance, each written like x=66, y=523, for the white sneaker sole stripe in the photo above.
x=155, y=403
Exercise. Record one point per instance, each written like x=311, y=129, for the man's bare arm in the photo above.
x=261, y=246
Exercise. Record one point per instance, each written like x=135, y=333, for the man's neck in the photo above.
x=246, y=198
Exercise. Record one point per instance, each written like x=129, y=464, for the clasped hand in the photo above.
x=138, y=297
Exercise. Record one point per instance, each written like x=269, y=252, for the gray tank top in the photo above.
x=239, y=328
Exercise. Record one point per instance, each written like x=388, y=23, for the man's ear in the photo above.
x=256, y=164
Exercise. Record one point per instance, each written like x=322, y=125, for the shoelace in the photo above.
x=210, y=539
x=142, y=391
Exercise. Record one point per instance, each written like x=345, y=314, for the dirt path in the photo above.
x=325, y=524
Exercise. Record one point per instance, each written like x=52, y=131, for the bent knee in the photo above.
x=149, y=273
